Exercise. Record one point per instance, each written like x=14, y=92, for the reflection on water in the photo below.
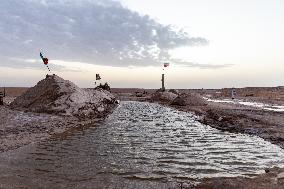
x=141, y=145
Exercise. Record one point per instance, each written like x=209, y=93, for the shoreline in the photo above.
x=20, y=128
x=243, y=119
x=235, y=118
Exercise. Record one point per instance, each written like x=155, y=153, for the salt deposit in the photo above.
x=276, y=108
x=190, y=99
x=58, y=96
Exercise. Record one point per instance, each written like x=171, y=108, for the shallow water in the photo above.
x=141, y=145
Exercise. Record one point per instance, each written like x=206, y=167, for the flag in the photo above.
x=166, y=65
x=41, y=56
x=98, y=77
x=44, y=59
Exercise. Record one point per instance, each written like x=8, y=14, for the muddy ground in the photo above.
x=19, y=128
x=20, y=125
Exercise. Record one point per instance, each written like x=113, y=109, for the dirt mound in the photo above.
x=58, y=96
x=175, y=91
x=163, y=96
x=190, y=99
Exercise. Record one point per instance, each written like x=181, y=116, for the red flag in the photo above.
x=45, y=61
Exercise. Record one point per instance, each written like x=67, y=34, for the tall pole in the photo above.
x=163, y=82
x=1, y=98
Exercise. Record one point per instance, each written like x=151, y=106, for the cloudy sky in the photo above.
x=209, y=44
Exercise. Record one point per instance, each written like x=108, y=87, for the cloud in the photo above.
x=93, y=31
x=29, y=64
x=199, y=65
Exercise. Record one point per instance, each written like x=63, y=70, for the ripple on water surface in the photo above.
x=139, y=142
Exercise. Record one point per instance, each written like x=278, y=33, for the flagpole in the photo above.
x=45, y=60
x=48, y=68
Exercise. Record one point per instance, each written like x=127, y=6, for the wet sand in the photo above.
x=19, y=128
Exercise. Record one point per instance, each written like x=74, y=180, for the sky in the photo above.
x=209, y=44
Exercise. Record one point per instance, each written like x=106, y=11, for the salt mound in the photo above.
x=56, y=95
x=163, y=96
x=190, y=99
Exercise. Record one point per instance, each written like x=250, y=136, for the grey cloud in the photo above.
x=93, y=31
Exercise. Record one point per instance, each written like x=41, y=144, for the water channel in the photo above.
x=140, y=145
